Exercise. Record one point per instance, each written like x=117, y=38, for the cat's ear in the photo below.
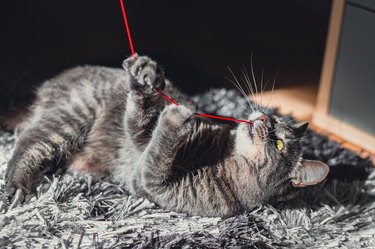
x=300, y=128
x=310, y=173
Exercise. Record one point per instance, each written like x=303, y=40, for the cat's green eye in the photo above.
x=279, y=145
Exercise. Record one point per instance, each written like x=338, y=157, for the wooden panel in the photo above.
x=344, y=143
x=329, y=61
x=345, y=131
x=321, y=117
x=352, y=94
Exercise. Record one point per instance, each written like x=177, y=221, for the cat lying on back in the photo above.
x=110, y=121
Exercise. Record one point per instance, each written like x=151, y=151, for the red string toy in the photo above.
x=158, y=90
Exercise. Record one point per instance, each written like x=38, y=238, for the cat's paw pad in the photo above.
x=175, y=116
x=146, y=74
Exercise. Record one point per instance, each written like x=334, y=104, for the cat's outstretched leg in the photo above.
x=55, y=135
x=143, y=103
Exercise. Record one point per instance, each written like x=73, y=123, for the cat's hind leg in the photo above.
x=55, y=134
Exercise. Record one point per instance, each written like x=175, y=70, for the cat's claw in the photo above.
x=19, y=185
x=146, y=74
x=16, y=194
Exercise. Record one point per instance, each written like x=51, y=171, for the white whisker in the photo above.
x=272, y=91
x=238, y=86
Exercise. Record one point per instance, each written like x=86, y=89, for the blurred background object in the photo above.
x=195, y=41
x=345, y=104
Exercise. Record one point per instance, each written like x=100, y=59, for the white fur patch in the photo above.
x=243, y=143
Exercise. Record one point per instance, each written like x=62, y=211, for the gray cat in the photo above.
x=110, y=121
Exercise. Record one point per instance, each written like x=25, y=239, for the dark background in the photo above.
x=195, y=41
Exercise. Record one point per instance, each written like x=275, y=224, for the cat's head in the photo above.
x=272, y=144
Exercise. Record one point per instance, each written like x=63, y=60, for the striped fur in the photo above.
x=110, y=121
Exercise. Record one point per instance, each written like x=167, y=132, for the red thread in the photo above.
x=166, y=97
x=224, y=118
x=163, y=94
x=127, y=28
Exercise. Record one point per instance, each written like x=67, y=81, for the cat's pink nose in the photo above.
x=262, y=118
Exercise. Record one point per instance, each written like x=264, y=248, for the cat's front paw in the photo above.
x=145, y=74
x=176, y=118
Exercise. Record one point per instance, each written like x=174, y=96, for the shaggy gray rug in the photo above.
x=79, y=211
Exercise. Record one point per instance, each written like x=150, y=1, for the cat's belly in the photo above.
x=121, y=168
x=82, y=163
x=124, y=168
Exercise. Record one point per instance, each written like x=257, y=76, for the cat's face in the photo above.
x=268, y=137
x=272, y=143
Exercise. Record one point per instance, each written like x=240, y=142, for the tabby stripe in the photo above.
x=57, y=127
x=86, y=101
x=207, y=185
x=70, y=119
x=263, y=164
x=226, y=196
x=192, y=187
x=96, y=97
x=257, y=177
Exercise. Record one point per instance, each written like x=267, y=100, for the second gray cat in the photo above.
x=110, y=121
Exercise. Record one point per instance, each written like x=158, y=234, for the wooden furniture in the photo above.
x=345, y=104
